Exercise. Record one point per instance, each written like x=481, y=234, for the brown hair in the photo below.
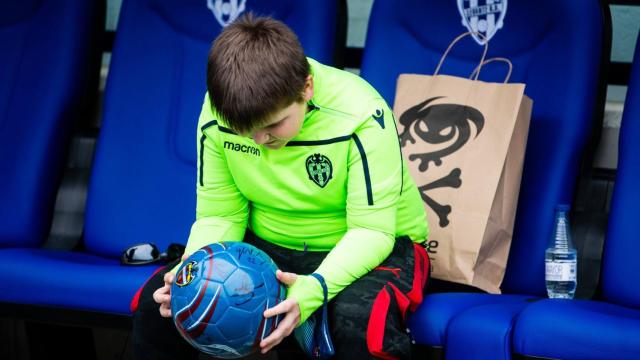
x=256, y=67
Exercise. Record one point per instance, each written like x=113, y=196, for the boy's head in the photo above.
x=258, y=79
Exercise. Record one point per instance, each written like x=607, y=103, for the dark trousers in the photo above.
x=350, y=312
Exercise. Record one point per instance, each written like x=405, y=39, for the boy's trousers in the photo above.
x=367, y=319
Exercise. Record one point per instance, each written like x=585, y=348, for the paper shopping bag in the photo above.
x=464, y=141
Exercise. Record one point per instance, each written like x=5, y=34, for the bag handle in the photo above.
x=322, y=334
x=505, y=60
x=325, y=291
x=461, y=36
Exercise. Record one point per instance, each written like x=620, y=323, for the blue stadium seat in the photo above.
x=45, y=60
x=558, y=50
x=608, y=328
x=142, y=187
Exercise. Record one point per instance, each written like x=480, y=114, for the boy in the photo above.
x=301, y=160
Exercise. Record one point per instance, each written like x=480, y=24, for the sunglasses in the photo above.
x=148, y=253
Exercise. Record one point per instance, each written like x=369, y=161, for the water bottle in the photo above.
x=561, y=258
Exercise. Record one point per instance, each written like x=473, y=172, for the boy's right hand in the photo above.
x=163, y=295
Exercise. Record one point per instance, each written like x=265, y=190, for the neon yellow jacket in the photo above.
x=340, y=185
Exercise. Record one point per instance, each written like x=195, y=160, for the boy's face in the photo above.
x=285, y=124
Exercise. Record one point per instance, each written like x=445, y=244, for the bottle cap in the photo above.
x=563, y=207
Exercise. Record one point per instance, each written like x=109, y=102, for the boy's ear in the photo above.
x=308, y=88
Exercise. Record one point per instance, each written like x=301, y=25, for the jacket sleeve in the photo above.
x=373, y=191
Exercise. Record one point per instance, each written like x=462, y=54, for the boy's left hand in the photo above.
x=289, y=307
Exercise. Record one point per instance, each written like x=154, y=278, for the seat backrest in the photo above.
x=142, y=187
x=556, y=48
x=44, y=73
x=620, y=265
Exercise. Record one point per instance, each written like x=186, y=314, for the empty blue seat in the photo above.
x=608, y=328
x=557, y=51
x=142, y=186
x=45, y=66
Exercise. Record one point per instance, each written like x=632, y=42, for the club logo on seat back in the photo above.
x=226, y=11
x=319, y=169
x=482, y=16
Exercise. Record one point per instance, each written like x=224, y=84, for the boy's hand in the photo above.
x=163, y=295
x=289, y=307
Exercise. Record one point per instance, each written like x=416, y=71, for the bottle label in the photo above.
x=560, y=271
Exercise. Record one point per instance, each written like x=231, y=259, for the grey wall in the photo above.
x=626, y=24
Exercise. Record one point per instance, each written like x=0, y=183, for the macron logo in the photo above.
x=242, y=148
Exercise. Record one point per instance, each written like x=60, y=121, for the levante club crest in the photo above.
x=319, y=169
x=482, y=16
x=226, y=11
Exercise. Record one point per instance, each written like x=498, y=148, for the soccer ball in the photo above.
x=219, y=295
